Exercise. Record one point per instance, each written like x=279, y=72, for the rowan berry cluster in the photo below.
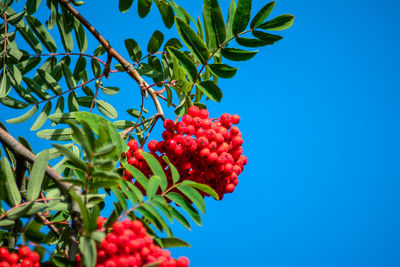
x=128, y=245
x=204, y=150
x=23, y=257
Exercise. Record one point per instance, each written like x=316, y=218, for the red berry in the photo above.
x=229, y=188
x=152, y=146
x=4, y=254
x=24, y=252
x=35, y=257
x=13, y=258
x=133, y=144
x=193, y=111
x=4, y=264
x=203, y=114
x=235, y=119
x=182, y=262
x=187, y=119
x=169, y=125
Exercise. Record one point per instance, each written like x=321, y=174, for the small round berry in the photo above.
x=4, y=264
x=229, y=188
x=152, y=146
x=187, y=119
x=24, y=252
x=194, y=111
x=182, y=262
x=206, y=124
x=235, y=131
x=180, y=127
x=203, y=114
x=133, y=144
x=190, y=130
x=225, y=118
x=138, y=154
x=204, y=153
x=110, y=263
x=133, y=161
x=169, y=125
x=13, y=258
x=35, y=257
x=237, y=141
x=235, y=119
x=4, y=253
x=170, y=144
x=167, y=135
x=26, y=263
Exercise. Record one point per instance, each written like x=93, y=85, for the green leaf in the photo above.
x=249, y=42
x=32, y=5
x=55, y=134
x=83, y=140
x=262, y=15
x=279, y=23
x=235, y=54
x=153, y=185
x=214, y=22
x=53, y=6
x=6, y=222
x=174, y=43
x=133, y=49
x=37, y=175
x=158, y=217
x=63, y=118
x=187, y=64
x=87, y=246
x=25, y=116
x=13, y=103
x=202, y=187
x=11, y=188
x=125, y=5
x=173, y=242
x=155, y=42
x=242, y=16
x=41, y=119
x=137, y=174
x=120, y=197
x=95, y=67
x=80, y=68
x=29, y=37
x=29, y=64
x=144, y=7
x=223, y=70
x=73, y=104
x=4, y=84
x=180, y=201
x=88, y=223
x=20, y=211
x=174, y=171
x=156, y=168
x=15, y=18
x=72, y=156
x=179, y=217
x=211, y=90
x=229, y=23
x=194, y=196
x=80, y=36
x=270, y=38
x=66, y=37
x=35, y=87
x=106, y=109
x=71, y=83
x=50, y=81
x=109, y=90
x=41, y=32
x=167, y=14
x=123, y=124
x=192, y=41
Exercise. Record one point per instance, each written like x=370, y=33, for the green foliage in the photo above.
x=91, y=162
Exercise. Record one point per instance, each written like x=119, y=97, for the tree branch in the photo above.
x=18, y=149
x=129, y=68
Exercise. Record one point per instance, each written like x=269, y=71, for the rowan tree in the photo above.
x=53, y=202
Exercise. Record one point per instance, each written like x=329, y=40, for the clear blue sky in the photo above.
x=321, y=123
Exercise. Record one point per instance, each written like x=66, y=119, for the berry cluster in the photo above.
x=128, y=245
x=204, y=150
x=23, y=257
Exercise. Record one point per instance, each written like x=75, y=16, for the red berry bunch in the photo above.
x=204, y=150
x=128, y=245
x=23, y=257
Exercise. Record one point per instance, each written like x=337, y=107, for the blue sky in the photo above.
x=320, y=120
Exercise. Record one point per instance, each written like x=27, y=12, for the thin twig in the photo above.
x=69, y=54
x=104, y=73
